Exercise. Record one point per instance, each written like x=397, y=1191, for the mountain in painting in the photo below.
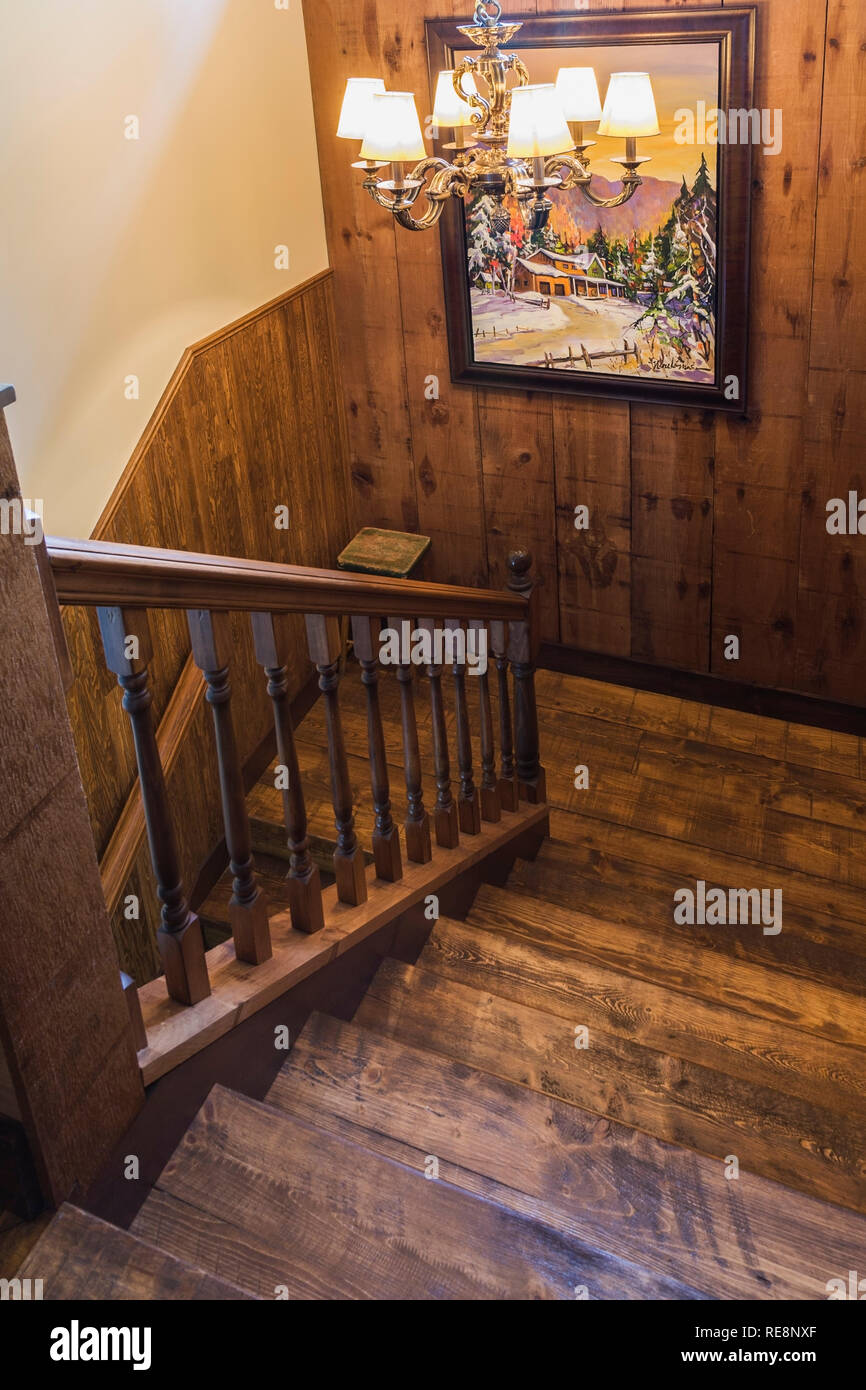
x=644, y=213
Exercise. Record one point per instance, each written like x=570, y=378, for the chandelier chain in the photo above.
x=483, y=13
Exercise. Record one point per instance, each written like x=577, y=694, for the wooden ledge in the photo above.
x=7, y=396
x=239, y=991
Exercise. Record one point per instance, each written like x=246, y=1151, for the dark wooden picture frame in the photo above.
x=734, y=31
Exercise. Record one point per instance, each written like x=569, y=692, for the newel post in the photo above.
x=523, y=644
x=66, y=1039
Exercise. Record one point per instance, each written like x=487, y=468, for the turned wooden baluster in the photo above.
x=523, y=643
x=128, y=651
x=416, y=826
x=509, y=795
x=323, y=635
x=468, y=801
x=303, y=879
x=491, y=808
x=211, y=636
x=445, y=815
x=386, y=836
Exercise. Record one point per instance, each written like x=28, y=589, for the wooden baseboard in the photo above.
x=176, y=1032
x=789, y=705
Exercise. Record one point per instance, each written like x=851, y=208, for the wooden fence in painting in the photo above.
x=575, y=359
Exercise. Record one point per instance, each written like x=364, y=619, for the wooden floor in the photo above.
x=610, y=1102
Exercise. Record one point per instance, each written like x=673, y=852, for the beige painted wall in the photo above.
x=117, y=254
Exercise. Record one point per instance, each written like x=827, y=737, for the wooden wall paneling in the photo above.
x=254, y=418
x=349, y=40
x=747, y=548
x=76, y=1081
x=839, y=324
x=831, y=637
x=592, y=452
x=831, y=631
x=759, y=462
x=336, y=509
x=672, y=454
x=517, y=458
x=446, y=448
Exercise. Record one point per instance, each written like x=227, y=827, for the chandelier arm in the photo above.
x=447, y=182
x=522, y=70
x=578, y=176
x=428, y=218
x=630, y=185
x=481, y=107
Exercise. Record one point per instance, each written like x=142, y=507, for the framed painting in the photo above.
x=645, y=300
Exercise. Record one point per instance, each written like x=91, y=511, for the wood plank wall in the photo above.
x=252, y=419
x=702, y=526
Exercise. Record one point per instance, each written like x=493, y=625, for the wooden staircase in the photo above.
x=453, y=1142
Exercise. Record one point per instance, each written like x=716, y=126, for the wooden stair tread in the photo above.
x=812, y=944
x=282, y=1203
x=556, y=981
x=597, y=842
x=659, y=1205
x=680, y=1102
x=675, y=958
x=80, y=1256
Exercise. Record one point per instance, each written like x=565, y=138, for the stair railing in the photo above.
x=123, y=582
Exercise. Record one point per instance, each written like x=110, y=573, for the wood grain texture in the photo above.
x=252, y=420
x=668, y=1098
x=695, y=1027
x=719, y=552
x=64, y=1026
x=82, y=1258
x=280, y=1202
x=663, y=1207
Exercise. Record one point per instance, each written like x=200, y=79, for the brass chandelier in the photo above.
x=523, y=140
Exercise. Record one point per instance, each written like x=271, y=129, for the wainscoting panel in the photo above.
x=701, y=527
x=251, y=421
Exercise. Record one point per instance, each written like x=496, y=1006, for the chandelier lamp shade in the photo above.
x=629, y=107
x=512, y=139
x=357, y=103
x=450, y=107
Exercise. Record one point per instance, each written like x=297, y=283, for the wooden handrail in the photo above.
x=103, y=574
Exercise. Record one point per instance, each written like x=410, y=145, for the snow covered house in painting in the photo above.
x=554, y=273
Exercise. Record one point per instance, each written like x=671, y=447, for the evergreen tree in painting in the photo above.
x=598, y=243
x=679, y=321
x=490, y=249
x=496, y=236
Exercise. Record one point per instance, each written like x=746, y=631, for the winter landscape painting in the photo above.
x=630, y=292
